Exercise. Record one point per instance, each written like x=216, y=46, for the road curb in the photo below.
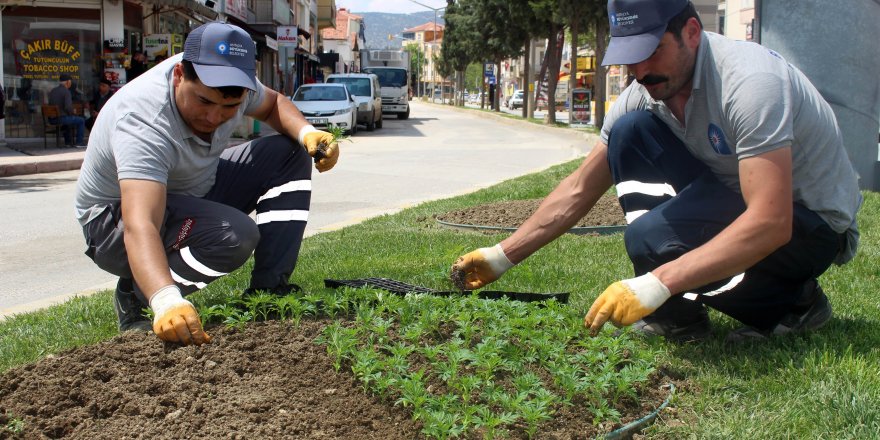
x=591, y=138
x=38, y=167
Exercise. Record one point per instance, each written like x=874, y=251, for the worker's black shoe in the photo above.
x=811, y=312
x=129, y=309
x=695, y=327
x=282, y=290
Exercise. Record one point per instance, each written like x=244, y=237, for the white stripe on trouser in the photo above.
x=632, y=216
x=730, y=285
x=282, y=216
x=191, y=261
x=648, y=189
x=179, y=279
x=296, y=185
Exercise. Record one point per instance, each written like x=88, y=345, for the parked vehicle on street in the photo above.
x=326, y=105
x=516, y=100
x=366, y=91
x=392, y=68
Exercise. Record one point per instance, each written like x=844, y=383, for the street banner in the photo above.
x=579, y=115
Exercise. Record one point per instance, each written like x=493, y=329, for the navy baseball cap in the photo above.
x=222, y=55
x=637, y=27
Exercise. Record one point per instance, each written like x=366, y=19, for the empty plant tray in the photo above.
x=401, y=288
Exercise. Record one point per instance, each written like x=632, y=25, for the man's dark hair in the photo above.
x=189, y=72
x=676, y=24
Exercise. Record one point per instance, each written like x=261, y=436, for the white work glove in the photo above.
x=175, y=319
x=321, y=146
x=480, y=267
x=626, y=302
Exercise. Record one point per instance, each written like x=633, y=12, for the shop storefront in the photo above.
x=94, y=40
x=40, y=44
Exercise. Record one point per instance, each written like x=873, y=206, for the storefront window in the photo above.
x=36, y=51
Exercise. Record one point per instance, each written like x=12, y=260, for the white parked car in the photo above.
x=326, y=104
x=365, y=89
x=516, y=101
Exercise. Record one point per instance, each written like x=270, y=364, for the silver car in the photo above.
x=327, y=104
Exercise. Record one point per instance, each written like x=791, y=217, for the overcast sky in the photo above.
x=392, y=6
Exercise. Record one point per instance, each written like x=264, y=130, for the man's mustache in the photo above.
x=649, y=80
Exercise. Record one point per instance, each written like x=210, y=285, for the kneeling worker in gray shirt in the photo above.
x=164, y=203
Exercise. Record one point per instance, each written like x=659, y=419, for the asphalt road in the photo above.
x=437, y=153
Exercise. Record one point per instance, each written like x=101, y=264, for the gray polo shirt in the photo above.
x=746, y=101
x=139, y=134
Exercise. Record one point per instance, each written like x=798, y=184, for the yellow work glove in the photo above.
x=480, y=267
x=321, y=146
x=175, y=319
x=626, y=302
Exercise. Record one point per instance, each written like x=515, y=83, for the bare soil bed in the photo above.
x=513, y=213
x=269, y=381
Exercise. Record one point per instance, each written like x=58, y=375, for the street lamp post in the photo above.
x=433, y=45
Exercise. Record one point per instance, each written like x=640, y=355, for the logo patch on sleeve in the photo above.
x=717, y=140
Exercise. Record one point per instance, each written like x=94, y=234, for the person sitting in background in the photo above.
x=60, y=97
x=99, y=98
x=137, y=66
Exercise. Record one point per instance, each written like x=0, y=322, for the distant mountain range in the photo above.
x=380, y=24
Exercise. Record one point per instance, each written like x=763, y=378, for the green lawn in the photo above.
x=821, y=385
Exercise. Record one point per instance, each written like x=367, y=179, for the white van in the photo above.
x=365, y=89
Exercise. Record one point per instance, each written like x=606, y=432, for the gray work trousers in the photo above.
x=208, y=237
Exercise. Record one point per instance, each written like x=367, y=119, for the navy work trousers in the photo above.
x=206, y=238
x=674, y=203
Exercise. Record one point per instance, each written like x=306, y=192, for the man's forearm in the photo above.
x=562, y=208
x=147, y=259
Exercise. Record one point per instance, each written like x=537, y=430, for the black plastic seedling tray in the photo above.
x=401, y=288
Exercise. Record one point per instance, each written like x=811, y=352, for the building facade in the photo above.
x=94, y=39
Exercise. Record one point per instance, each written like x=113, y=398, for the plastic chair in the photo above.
x=51, y=124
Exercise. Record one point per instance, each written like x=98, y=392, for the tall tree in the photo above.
x=578, y=22
x=458, y=43
x=522, y=15
x=499, y=34
x=549, y=16
x=599, y=18
x=416, y=61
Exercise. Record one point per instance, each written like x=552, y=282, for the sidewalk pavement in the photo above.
x=27, y=156
x=21, y=156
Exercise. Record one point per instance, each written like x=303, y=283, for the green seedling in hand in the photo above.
x=338, y=136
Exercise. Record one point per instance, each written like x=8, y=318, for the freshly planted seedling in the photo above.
x=13, y=425
x=238, y=320
x=261, y=305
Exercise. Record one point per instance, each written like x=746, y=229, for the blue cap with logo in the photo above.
x=222, y=55
x=637, y=27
